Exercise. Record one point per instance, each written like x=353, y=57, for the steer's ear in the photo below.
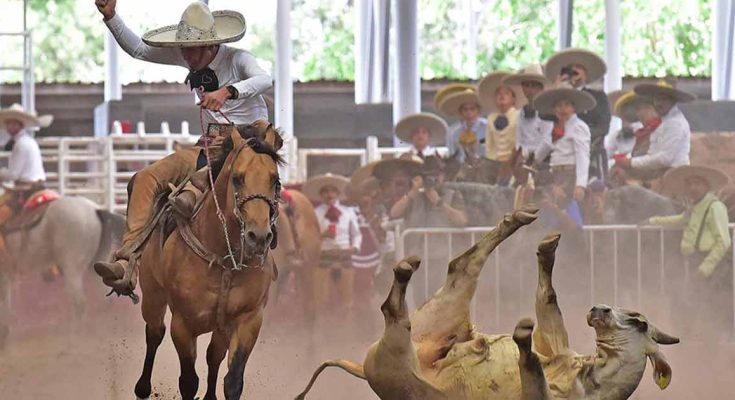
x=661, y=369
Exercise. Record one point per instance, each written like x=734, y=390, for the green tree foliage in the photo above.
x=659, y=37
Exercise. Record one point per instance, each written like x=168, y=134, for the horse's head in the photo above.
x=249, y=200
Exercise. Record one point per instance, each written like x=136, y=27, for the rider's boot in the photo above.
x=118, y=274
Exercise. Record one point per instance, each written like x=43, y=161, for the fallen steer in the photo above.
x=436, y=354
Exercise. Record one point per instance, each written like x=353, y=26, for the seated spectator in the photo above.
x=705, y=242
x=621, y=142
x=460, y=101
x=671, y=140
x=500, y=138
x=569, y=141
x=423, y=131
x=341, y=239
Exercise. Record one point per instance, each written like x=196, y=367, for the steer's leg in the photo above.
x=445, y=318
x=550, y=336
x=533, y=380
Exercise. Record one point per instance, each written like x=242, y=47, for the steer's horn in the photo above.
x=662, y=338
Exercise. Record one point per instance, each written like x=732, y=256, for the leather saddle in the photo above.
x=33, y=210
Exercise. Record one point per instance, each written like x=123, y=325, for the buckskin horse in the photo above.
x=214, y=281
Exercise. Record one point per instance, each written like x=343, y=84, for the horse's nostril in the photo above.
x=252, y=236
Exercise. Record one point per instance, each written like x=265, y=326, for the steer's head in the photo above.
x=631, y=335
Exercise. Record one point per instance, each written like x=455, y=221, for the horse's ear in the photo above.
x=273, y=138
x=237, y=139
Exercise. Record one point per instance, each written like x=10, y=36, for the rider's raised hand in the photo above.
x=106, y=8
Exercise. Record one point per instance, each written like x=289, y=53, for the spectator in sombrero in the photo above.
x=341, y=239
x=569, y=140
x=531, y=129
x=422, y=131
x=466, y=136
x=500, y=101
x=579, y=68
x=705, y=242
x=671, y=139
x=620, y=142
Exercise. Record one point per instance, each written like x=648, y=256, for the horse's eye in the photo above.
x=238, y=180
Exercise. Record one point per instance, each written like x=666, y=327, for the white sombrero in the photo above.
x=314, y=186
x=199, y=27
x=29, y=120
x=665, y=89
x=384, y=169
x=449, y=90
x=432, y=122
x=594, y=65
x=674, y=179
x=451, y=103
x=532, y=72
x=488, y=87
x=546, y=100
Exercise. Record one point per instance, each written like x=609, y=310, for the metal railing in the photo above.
x=663, y=270
x=101, y=167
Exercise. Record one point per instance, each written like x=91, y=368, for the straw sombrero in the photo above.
x=363, y=173
x=29, y=120
x=665, y=89
x=433, y=123
x=594, y=65
x=674, y=179
x=625, y=106
x=313, y=186
x=383, y=169
x=450, y=104
x=532, y=72
x=199, y=27
x=613, y=97
x=490, y=84
x=545, y=101
x=353, y=191
x=450, y=89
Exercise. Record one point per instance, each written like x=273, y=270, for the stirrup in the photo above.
x=124, y=292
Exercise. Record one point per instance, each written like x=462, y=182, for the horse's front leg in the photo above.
x=215, y=354
x=153, y=308
x=186, y=346
x=242, y=341
x=4, y=306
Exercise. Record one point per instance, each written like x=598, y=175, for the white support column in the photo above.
x=565, y=23
x=284, y=83
x=407, y=81
x=113, y=87
x=723, y=50
x=372, y=52
x=470, y=67
x=614, y=77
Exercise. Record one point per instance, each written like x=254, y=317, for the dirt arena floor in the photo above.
x=50, y=356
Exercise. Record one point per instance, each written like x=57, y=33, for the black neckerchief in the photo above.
x=204, y=78
x=529, y=112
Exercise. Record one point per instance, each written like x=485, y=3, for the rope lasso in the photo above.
x=220, y=214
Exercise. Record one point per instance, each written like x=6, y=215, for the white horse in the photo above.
x=72, y=234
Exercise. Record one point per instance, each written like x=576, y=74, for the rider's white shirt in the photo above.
x=25, y=164
x=670, y=143
x=531, y=132
x=233, y=66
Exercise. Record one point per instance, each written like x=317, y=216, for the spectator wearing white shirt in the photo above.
x=227, y=81
x=531, y=130
x=341, y=238
x=671, y=140
x=423, y=131
x=569, y=141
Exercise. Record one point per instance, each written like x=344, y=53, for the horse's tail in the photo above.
x=113, y=227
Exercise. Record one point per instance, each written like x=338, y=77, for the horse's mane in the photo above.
x=254, y=140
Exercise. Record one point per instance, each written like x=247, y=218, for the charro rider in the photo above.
x=227, y=81
x=25, y=171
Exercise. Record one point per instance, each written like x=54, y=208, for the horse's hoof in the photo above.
x=522, y=333
x=549, y=243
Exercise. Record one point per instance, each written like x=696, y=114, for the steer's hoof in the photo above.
x=549, y=243
x=526, y=214
x=522, y=333
x=405, y=269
